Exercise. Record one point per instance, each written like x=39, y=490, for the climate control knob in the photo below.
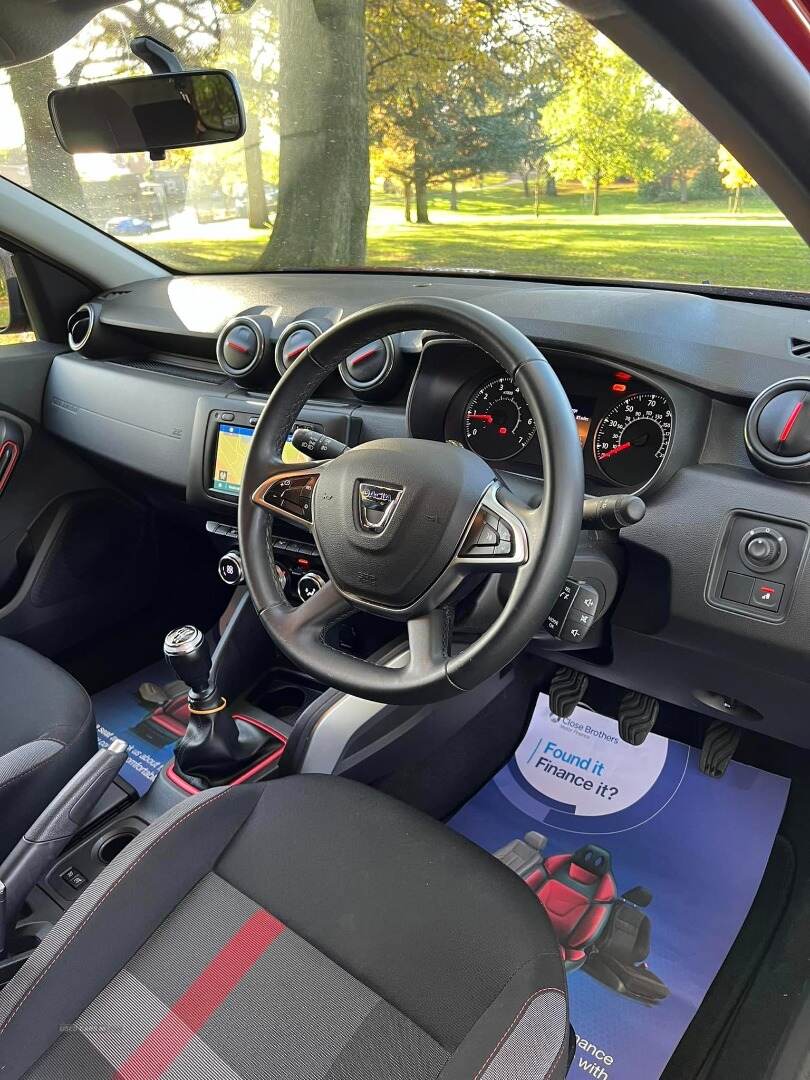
x=308, y=585
x=229, y=568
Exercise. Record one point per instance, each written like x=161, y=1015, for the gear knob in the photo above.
x=187, y=653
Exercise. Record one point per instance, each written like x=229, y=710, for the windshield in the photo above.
x=504, y=136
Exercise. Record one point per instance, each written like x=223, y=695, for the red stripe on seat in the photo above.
x=165, y=1042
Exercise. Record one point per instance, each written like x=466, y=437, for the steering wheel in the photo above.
x=402, y=524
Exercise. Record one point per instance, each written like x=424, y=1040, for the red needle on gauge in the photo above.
x=486, y=417
x=616, y=450
x=293, y=354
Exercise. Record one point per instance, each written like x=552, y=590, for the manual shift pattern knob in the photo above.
x=187, y=653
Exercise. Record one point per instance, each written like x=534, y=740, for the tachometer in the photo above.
x=632, y=439
x=497, y=421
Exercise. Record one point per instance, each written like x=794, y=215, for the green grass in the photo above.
x=496, y=229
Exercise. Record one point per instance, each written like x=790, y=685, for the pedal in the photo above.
x=566, y=691
x=719, y=746
x=637, y=716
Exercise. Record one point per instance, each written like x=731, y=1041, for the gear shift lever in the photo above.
x=215, y=747
x=187, y=654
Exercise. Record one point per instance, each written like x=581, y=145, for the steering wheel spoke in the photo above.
x=288, y=493
x=497, y=537
x=316, y=615
x=429, y=639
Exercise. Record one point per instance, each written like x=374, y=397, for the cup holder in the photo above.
x=288, y=700
x=113, y=845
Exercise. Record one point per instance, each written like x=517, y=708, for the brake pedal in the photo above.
x=637, y=716
x=566, y=691
x=719, y=746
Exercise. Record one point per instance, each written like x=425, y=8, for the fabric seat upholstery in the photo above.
x=47, y=732
x=309, y=927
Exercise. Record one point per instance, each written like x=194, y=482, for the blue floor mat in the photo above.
x=120, y=714
x=647, y=867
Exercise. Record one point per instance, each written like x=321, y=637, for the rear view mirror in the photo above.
x=148, y=112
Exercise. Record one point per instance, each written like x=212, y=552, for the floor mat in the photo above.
x=647, y=868
x=150, y=732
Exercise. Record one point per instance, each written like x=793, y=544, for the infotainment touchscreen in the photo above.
x=233, y=443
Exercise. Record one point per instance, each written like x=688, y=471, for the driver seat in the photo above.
x=307, y=927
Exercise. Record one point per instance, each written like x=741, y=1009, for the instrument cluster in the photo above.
x=625, y=424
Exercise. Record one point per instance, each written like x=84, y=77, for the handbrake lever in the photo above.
x=53, y=830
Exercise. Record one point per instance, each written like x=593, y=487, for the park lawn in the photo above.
x=496, y=229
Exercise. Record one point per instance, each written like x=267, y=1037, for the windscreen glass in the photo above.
x=506, y=136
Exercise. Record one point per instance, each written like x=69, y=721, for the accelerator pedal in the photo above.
x=637, y=716
x=719, y=746
x=566, y=691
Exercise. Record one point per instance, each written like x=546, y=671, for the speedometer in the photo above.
x=632, y=439
x=497, y=421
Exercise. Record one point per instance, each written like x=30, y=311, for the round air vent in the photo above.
x=88, y=335
x=370, y=366
x=295, y=340
x=777, y=430
x=80, y=327
x=243, y=348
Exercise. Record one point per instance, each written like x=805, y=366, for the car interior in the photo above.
x=292, y=552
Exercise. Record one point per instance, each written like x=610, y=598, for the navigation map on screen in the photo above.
x=233, y=444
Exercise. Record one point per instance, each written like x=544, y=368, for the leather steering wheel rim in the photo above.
x=551, y=529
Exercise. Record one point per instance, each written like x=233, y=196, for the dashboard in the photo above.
x=687, y=400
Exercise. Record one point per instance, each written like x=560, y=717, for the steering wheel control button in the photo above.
x=229, y=568
x=292, y=495
x=737, y=588
x=763, y=548
x=309, y=585
x=489, y=536
x=767, y=594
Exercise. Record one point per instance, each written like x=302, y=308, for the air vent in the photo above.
x=243, y=348
x=88, y=335
x=777, y=430
x=80, y=327
x=114, y=292
x=295, y=341
x=800, y=347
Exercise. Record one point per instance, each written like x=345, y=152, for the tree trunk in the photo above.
x=52, y=171
x=551, y=185
x=408, y=197
x=257, y=202
x=595, y=204
x=524, y=176
x=420, y=191
x=453, y=195
x=683, y=190
x=737, y=206
x=324, y=189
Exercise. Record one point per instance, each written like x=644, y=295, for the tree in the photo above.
x=323, y=116
x=604, y=124
x=691, y=149
x=456, y=88
x=734, y=178
x=51, y=171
